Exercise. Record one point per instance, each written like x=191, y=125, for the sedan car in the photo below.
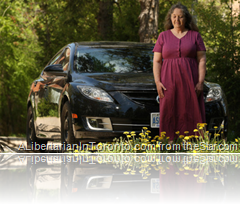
x=94, y=91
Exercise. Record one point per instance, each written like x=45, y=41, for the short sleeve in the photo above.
x=159, y=44
x=200, y=43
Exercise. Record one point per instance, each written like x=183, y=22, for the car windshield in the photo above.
x=118, y=60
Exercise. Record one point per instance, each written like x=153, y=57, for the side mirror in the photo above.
x=55, y=69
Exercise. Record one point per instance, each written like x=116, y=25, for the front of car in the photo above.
x=112, y=90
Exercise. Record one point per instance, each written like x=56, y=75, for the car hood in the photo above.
x=123, y=78
x=117, y=81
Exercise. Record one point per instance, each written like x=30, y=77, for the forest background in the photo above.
x=32, y=31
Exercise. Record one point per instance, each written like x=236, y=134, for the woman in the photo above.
x=179, y=67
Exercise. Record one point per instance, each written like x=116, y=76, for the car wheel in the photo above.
x=32, y=140
x=67, y=135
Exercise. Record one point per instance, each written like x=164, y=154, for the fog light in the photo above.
x=95, y=123
x=99, y=123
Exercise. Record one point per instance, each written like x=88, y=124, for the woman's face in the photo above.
x=178, y=19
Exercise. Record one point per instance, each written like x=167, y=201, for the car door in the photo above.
x=47, y=99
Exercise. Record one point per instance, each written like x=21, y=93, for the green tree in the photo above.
x=220, y=27
x=18, y=49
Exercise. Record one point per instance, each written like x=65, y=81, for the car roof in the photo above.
x=114, y=44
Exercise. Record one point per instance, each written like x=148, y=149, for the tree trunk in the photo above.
x=148, y=31
x=105, y=19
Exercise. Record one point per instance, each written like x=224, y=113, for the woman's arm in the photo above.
x=201, y=59
x=157, y=65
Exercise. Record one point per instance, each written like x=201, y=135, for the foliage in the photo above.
x=19, y=45
x=126, y=23
x=221, y=37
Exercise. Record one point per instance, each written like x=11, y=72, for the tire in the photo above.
x=67, y=135
x=31, y=134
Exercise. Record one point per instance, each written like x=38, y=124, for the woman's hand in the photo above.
x=160, y=89
x=199, y=88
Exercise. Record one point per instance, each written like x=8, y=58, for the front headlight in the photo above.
x=95, y=93
x=214, y=93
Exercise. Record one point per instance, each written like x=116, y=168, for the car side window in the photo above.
x=64, y=59
x=55, y=59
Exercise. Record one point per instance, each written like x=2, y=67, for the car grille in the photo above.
x=145, y=98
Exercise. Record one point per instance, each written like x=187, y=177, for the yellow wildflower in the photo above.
x=236, y=140
x=133, y=132
x=195, y=130
x=181, y=136
x=186, y=132
x=128, y=136
x=215, y=127
x=126, y=133
x=186, y=138
x=177, y=132
x=145, y=128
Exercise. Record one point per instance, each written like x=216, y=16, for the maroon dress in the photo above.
x=180, y=109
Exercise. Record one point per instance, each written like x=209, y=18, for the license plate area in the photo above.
x=155, y=119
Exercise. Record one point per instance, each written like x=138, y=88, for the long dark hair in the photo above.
x=190, y=24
